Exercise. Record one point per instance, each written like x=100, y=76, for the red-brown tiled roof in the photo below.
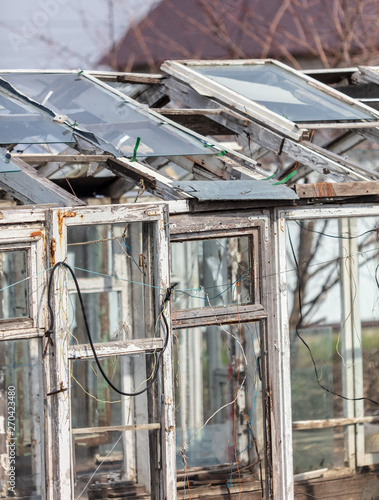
x=227, y=29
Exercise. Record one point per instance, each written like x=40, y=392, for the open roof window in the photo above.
x=268, y=90
x=93, y=106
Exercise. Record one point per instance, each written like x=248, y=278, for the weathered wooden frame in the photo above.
x=355, y=437
x=24, y=229
x=59, y=460
x=206, y=86
x=301, y=150
x=278, y=445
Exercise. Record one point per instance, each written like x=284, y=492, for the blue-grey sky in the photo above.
x=68, y=34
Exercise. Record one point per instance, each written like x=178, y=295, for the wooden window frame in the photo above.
x=353, y=424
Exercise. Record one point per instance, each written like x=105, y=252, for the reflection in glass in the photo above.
x=14, y=300
x=6, y=164
x=112, y=263
x=107, y=115
x=210, y=365
x=368, y=259
x=21, y=124
x=21, y=407
x=282, y=92
x=313, y=449
x=316, y=246
x=212, y=272
x=335, y=274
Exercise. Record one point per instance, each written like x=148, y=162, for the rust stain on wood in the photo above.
x=53, y=247
x=322, y=189
x=36, y=234
x=39, y=234
x=61, y=216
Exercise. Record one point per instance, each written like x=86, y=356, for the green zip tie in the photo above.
x=75, y=124
x=222, y=153
x=271, y=176
x=208, y=145
x=286, y=178
x=80, y=72
x=135, y=149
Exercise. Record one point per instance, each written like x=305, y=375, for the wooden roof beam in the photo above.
x=118, y=76
x=337, y=189
x=29, y=187
x=196, y=119
x=153, y=181
x=62, y=158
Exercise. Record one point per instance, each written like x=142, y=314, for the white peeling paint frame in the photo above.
x=285, y=412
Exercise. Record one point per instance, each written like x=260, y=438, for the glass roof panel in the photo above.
x=6, y=163
x=283, y=92
x=21, y=124
x=117, y=120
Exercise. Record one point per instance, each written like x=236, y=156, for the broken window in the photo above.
x=219, y=411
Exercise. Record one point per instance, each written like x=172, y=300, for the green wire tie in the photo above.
x=74, y=124
x=271, y=176
x=80, y=72
x=135, y=149
x=222, y=153
x=286, y=178
x=208, y=145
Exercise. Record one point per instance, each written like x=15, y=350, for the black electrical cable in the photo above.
x=307, y=346
x=49, y=332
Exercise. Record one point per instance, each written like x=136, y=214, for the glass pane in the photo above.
x=319, y=324
x=91, y=450
x=282, y=92
x=213, y=272
x=335, y=274
x=107, y=115
x=368, y=303
x=216, y=422
x=95, y=404
x=6, y=165
x=113, y=265
x=101, y=454
x=14, y=289
x=22, y=124
x=21, y=407
x=316, y=449
x=313, y=449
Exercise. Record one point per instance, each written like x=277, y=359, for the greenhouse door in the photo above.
x=110, y=280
